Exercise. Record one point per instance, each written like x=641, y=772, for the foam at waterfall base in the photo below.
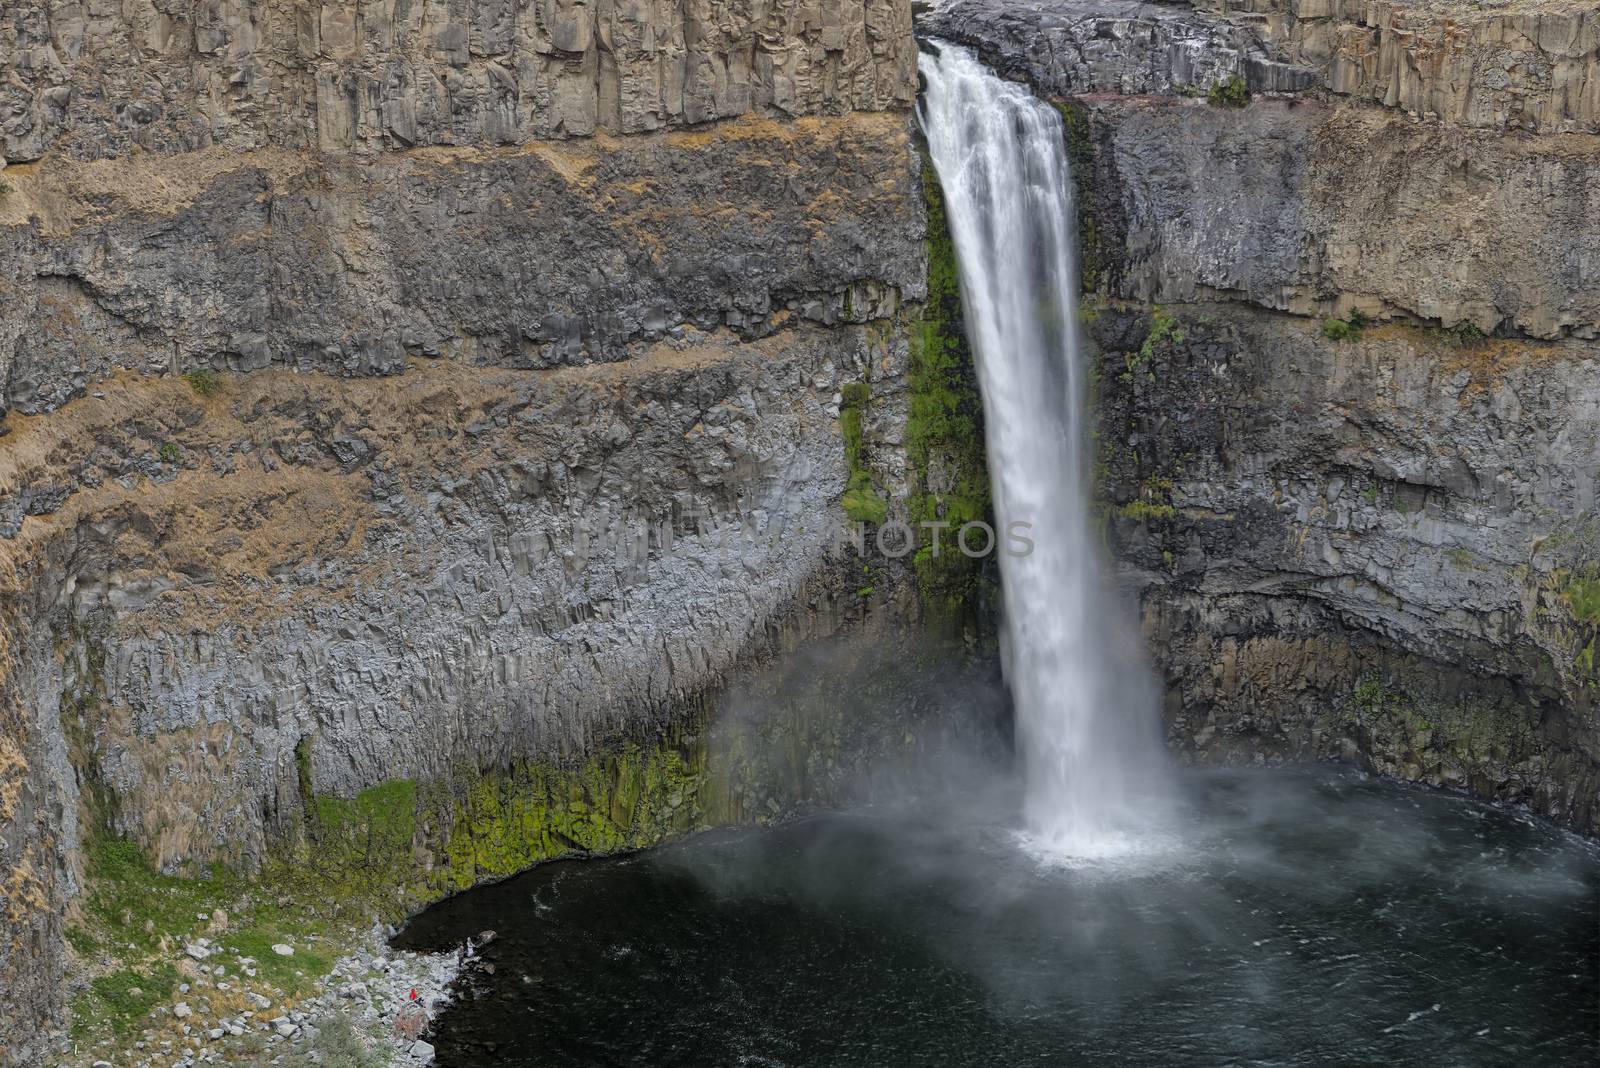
x=1134, y=846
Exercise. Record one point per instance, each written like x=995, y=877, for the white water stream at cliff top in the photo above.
x=1085, y=703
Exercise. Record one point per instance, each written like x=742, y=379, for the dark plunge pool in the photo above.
x=1306, y=917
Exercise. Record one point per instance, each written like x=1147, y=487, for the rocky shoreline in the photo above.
x=222, y=1014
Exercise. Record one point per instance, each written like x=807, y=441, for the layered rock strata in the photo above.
x=89, y=81
x=1511, y=64
x=400, y=393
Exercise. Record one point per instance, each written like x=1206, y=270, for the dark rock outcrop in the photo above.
x=1366, y=549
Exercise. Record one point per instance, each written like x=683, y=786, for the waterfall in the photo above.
x=1085, y=705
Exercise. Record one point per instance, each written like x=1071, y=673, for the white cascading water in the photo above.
x=1084, y=702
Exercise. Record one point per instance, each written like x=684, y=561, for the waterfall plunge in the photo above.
x=1084, y=700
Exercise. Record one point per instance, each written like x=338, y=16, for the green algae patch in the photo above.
x=1581, y=592
x=505, y=821
x=1467, y=742
x=861, y=501
x=1163, y=336
x=1143, y=511
x=1231, y=92
x=1564, y=590
x=944, y=427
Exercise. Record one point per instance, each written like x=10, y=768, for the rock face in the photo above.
x=393, y=388
x=531, y=257
x=1369, y=543
x=94, y=80
x=1304, y=203
x=1066, y=47
x=1507, y=65
x=1319, y=210
x=1374, y=549
x=390, y=387
x=1528, y=66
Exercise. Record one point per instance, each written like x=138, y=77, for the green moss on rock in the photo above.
x=944, y=427
x=861, y=500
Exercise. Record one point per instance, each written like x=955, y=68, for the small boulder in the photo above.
x=282, y=950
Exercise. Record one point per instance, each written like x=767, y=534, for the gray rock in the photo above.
x=1300, y=206
x=502, y=73
x=1397, y=623
x=1073, y=47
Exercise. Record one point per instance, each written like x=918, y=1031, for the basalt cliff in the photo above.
x=413, y=415
x=380, y=383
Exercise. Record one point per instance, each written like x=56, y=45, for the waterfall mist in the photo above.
x=1085, y=702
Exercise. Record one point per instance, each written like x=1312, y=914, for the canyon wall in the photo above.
x=388, y=388
x=1343, y=281
x=427, y=390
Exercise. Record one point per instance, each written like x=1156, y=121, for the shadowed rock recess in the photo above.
x=1341, y=265
x=381, y=382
